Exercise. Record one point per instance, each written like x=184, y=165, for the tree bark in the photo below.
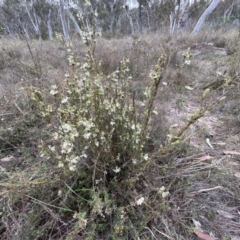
x=184, y=14
x=34, y=21
x=228, y=11
x=77, y=27
x=49, y=26
x=140, y=16
x=64, y=22
x=202, y=19
x=130, y=19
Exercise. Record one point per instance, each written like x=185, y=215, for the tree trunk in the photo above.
x=77, y=28
x=49, y=26
x=183, y=15
x=174, y=16
x=34, y=21
x=140, y=17
x=228, y=11
x=112, y=22
x=64, y=22
x=148, y=17
x=130, y=19
x=25, y=31
x=202, y=19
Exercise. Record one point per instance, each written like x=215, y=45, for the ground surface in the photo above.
x=221, y=127
x=211, y=202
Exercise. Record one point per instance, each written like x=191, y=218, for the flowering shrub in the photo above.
x=98, y=134
x=96, y=129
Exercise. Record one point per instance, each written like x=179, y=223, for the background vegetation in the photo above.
x=119, y=136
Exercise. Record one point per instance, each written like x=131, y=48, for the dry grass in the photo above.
x=201, y=190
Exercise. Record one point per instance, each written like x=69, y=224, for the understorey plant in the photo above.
x=97, y=141
x=98, y=137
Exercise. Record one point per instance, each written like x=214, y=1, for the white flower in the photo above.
x=52, y=148
x=145, y=157
x=134, y=161
x=67, y=75
x=59, y=192
x=72, y=168
x=64, y=100
x=140, y=201
x=73, y=135
x=74, y=159
x=165, y=194
x=55, y=136
x=54, y=90
x=84, y=155
x=66, y=128
x=66, y=147
x=85, y=65
x=97, y=181
x=117, y=170
x=162, y=189
x=87, y=135
x=87, y=2
x=60, y=164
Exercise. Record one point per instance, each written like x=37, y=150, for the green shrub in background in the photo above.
x=97, y=138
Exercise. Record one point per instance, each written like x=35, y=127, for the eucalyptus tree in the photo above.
x=180, y=15
x=203, y=17
x=141, y=5
x=114, y=8
x=28, y=17
x=12, y=17
x=129, y=17
x=40, y=13
x=63, y=20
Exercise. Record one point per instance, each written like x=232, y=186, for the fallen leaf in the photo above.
x=196, y=223
x=237, y=174
x=202, y=235
x=189, y=88
x=220, y=143
x=191, y=194
x=225, y=214
x=231, y=152
x=7, y=159
x=209, y=143
x=204, y=158
x=209, y=189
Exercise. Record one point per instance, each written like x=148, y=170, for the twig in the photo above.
x=204, y=190
x=9, y=143
x=19, y=109
x=164, y=234
x=6, y=114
